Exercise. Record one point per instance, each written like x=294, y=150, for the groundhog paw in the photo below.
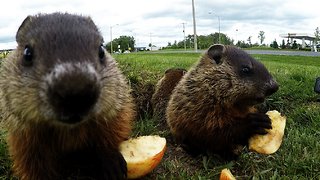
x=259, y=123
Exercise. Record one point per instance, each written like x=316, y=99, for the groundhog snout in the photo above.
x=72, y=92
x=271, y=87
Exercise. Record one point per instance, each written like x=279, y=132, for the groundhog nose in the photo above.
x=72, y=92
x=73, y=101
x=272, y=87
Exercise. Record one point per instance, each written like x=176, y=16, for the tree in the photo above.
x=242, y=44
x=275, y=44
x=125, y=42
x=204, y=41
x=249, y=40
x=317, y=35
x=294, y=45
x=283, y=45
x=261, y=36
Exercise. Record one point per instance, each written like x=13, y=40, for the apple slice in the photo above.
x=142, y=154
x=226, y=175
x=269, y=143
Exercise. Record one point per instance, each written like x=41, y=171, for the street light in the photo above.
x=218, y=22
x=111, y=49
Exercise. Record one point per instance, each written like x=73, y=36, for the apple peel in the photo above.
x=226, y=175
x=142, y=154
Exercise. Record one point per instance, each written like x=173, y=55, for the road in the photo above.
x=288, y=53
x=271, y=52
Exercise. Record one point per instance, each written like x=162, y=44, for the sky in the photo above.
x=161, y=21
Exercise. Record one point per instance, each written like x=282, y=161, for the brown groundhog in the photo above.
x=211, y=108
x=163, y=91
x=64, y=101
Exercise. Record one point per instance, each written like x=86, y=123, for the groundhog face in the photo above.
x=249, y=82
x=61, y=69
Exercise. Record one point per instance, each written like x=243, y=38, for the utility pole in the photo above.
x=219, y=29
x=184, y=36
x=237, y=37
x=194, y=27
x=111, y=49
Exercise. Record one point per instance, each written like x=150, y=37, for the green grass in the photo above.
x=298, y=156
x=3, y=55
x=5, y=163
x=151, y=66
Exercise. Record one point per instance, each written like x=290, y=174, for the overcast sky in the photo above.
x=160, y=21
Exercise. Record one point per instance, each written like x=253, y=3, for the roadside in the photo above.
x=250, y=51
x=288, y=53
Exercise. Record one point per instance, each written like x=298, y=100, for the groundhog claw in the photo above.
x=259, y=123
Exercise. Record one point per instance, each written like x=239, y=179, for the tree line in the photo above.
x=121, y=44
x=204, y=41
x=124, y=43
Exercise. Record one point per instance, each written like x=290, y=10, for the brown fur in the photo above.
x=163, y=90
x=212, y=107
x=142, y=93
x=45, y=143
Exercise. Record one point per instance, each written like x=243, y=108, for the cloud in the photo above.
x=6, y=39
x=249, y=17
x=163, y=18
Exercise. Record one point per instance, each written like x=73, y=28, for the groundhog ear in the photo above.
x=215, y=52
x=91, y=22
x=22, y=26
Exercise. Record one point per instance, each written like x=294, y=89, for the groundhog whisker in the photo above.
x=30, y=77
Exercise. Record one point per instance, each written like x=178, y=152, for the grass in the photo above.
x=151, y=66
x=298, y=156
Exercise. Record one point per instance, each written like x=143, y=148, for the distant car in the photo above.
x=318, y=45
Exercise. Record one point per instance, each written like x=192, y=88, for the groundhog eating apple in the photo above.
x=212, y=107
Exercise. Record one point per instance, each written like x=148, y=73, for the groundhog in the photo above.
x=212, y=107
x=163, y=91
x=65, y=103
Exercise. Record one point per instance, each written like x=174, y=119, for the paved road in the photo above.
x=289, y=53
x=271, y=52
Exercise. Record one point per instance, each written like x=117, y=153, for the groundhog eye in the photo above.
x=246, y=70
x=101, y=53
x=27, y=56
